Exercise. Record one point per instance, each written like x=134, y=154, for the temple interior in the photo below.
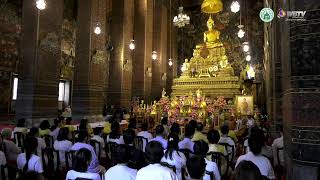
x=236, y=67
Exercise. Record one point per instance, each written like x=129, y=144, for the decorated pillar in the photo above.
x=38, y=69
x=121, y=70
x=91, y=58
x=142, y=64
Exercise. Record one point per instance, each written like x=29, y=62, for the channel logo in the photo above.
x=281, y=13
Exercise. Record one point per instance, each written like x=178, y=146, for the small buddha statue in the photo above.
x=163, y=92
x=211, y=36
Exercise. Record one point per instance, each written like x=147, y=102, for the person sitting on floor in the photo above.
x=44, y=128
x=115, y=135
x=172, y=156
x=256, y=142
x=28, y=161
x=94, y=166
x=80, y=166
x=198, y=135
x=196, y=167
x=186, y=143
x=34, y=132
x=154, y=153
x=160, y=136
x=121, y=171
x=200, y=149
x=62, y=144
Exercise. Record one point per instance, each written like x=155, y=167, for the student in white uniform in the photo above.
x=115, y=135
x=62, y=144
x=121, y=171
x=201, y=148
x=155, y=171
x=172, y=156
x=34, y=132
x=256, y=142
x=186, y=143
x=144, y=133
x=28, y=161
x=56, y=127
x=226, y=139
x=160, y=136
x=278, y=143
x=21, y=127
x=246, y=170
x=97, y=137
x=81, y=163
x=196, y=167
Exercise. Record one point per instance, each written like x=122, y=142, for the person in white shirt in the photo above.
x=115, y=135
x=256, y=142
x=94, y=166
x=187, y=143
x=137, y=159
x=144, y=133
x=34, y=132
x=201, y=148
x=278, y=143
x=228, y=140
x=246, y=170
x=20, y=127
x=80, y=166
x=56, y=127
x=121, y=171
x=62, y=144
x=155, y=171
x=160, y=136
x=28, y=161
x=164, y=123
x=196, y=167
x=97, y=137
x=172, y=156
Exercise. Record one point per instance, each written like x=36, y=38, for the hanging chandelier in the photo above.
x=41, y=4
x=235, y=7
x=181, y=19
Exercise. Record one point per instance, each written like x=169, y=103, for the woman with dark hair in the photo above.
x=201, y=148
x=34, y=132
x=57, y=124
x=69, y=125
x=21, y=127
x=175, y=128
x=62, y=144
x=28, y=161
x=246, y=170
x=44, y=128
x=172, y=155
x=155, y=171
x=164, y=123
x=84, y=126
x=196, y=167
x=115, y=135
x=80, y=165
x=186, y=143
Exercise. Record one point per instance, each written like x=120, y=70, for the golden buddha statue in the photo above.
x=211, y=37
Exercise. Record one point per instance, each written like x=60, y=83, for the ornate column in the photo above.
x=38, y=69
x=142, y=65
x=121, y=57
x=300, y=44
x=91, y=58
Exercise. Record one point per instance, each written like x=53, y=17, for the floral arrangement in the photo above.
x=220, y=102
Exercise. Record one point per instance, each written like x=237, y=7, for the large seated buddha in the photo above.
x=211, y=37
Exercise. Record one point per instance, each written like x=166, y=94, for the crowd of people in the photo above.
x=168, y=151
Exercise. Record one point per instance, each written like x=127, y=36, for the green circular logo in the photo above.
x=266, y=14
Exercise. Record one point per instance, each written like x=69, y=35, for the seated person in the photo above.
x=107, y=126
x=115, y=135
x=198, y=135
x=144, y=133
x=246, y=170
x=80, y=166
x=154, y=153
x=278, y=143
x=62, y=144
x=256, y=142
x=186, y=143
x=196, y=167
x=12, y=149
x=56, y=127
x=121, y=171
x=97, y=136
x=44, y=128
x=28, y=161
x=266, y=150
x=94, y=166
x=201, y=148
x=213, y=138
x=84, y=126
x=228, y=140
x=137, y=160
x=30, y=175
x=231, y=133
x=21, y=127
x=34, y=132
x=3, y=160
x=160, y=136
x=164, y=123
x=172, y=155
x=175, y=128
x=69, y=125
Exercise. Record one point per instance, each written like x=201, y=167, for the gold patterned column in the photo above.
x=121, y=57
x=91, y=58
x=38, y=68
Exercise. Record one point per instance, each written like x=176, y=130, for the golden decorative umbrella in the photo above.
x=211, y=6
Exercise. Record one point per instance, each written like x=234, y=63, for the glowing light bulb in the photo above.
x=132, y=46
x=246, y=47
x=235, y=7
x=41, y=4
x=154, y=55
x=170, y=62
x=250, y=73
x=97, y=30
x=183, y=68
x=248, y=58
x=241, y=31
